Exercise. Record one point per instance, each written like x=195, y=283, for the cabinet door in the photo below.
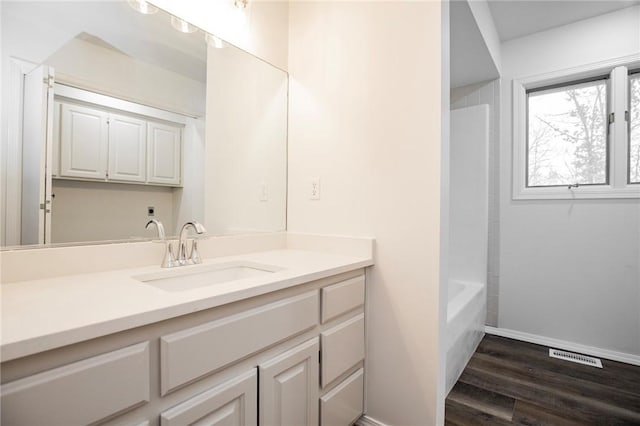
x=233, y=403
x=127, y=148
x=83, y=142
x=289, y=387
x=164, y=153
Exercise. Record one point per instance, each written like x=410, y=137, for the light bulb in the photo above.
x=214, y=41
x=142, y=6
x=182, y=25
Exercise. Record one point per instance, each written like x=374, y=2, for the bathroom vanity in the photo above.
x=284, y=345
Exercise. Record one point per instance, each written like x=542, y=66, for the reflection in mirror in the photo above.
x=115, y=117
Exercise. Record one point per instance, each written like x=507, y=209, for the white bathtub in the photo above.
x=466, y=312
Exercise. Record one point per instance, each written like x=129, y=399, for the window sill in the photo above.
x=580, y=193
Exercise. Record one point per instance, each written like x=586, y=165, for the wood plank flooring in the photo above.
x=509, y=382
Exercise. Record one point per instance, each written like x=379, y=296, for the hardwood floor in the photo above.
x=508, y=382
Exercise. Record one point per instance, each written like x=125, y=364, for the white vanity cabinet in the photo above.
x=289, y=387
x=291, y=357
x=92, y=143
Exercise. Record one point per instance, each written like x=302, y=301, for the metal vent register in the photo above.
x=577, y=358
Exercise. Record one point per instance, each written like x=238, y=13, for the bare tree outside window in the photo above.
x=634, y=127
x=567, y=135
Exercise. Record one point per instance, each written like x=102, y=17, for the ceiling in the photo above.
x=517, y=18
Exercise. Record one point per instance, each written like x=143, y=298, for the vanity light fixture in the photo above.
x=182, y=25
x=142, y=6
x=213, y=41
x=240, y=4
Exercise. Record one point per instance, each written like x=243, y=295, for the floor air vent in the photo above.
x=578, y=358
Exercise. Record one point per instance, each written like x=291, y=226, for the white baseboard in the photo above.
x=368, y=421
x=563, y=344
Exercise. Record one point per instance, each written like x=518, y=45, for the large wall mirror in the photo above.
x=113, y=117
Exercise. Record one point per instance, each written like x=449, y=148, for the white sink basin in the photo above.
x=183, y=278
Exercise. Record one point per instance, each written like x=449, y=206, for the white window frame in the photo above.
x=618, y=186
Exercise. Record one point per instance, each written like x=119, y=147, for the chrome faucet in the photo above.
x=168, y=260
x=194, y=256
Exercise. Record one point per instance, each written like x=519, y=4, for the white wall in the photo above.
x=96, y=211
x=569, y=269
x=365, y=116
x=92, y=67
x=246, y=134
x=477, y=94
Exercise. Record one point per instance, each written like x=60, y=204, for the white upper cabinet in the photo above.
x=83, y=142
x=127, y=148
x=91, y=143
x=163, y=153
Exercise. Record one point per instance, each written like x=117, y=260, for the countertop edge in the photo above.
x=19, y=349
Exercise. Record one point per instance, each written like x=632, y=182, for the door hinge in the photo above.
x=319, y=357
x=612, y=117
x=41, y=206
x=48, y=80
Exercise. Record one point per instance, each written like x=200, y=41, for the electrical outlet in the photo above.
x=315, y=188
x=264, y=192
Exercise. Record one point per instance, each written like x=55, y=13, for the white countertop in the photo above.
x=49, y=313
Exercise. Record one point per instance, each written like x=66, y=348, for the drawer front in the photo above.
x=80, y=393
x=344, y=404
x=189, y=354
x=232, y=403
x=342, y=297
x=342, y=348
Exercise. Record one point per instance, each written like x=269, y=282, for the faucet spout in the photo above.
x=183, y=259
x=158, y=225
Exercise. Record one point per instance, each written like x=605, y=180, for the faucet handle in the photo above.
x=195, y=256
x=169, y=260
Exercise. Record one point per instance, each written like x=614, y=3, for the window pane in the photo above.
x=567, y=135
x=634, y=127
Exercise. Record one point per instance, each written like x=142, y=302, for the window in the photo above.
x=634, y=128
x=577, y=133
x=567, y=135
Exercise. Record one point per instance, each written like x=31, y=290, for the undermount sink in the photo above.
x=195, y=276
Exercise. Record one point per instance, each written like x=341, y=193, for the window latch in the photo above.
x=626, y=116
x=575, y=185
x=612, y=118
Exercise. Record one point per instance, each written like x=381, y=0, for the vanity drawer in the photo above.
x=80, y=393
x=342, y=297
x=344, y=404
x=192, y=353
x=232, y=403
x=342, y=348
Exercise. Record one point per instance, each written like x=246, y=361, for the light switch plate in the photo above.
x=314, y=188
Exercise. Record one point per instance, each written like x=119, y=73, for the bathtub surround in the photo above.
x=477, y=94
x=467, y=300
